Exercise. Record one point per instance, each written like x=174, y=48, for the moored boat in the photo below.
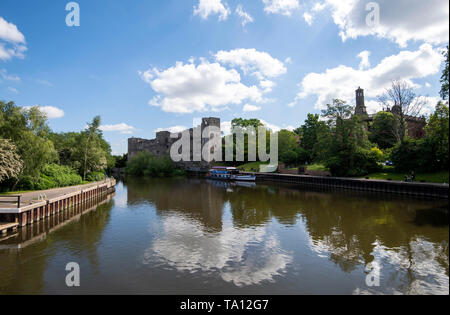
x=229, y=173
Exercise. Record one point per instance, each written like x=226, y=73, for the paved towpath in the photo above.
x=28, y=197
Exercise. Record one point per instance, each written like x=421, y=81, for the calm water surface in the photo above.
x=192, y=236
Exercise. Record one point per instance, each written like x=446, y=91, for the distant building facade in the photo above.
x=161, y=145
x=415, y=125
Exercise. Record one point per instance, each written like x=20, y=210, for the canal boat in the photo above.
x=229, y=173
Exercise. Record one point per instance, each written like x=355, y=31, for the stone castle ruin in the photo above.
x=161, y=145
x=415, y=125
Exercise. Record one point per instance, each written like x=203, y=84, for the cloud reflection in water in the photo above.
x=243, y=256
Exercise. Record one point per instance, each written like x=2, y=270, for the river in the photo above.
x=194, y=236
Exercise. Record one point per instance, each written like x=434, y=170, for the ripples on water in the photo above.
x=196, y=236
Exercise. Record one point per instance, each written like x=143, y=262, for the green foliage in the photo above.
x=385, y=130
x=244, y=123
x=252, y=166
x=94, y=154
x=429, y=177
x=27, y=129
x=437, y=133
x=246, y=127
x=357, y=163
x=146, y=164
x=444, y=78
x=309, y=134
x=408, y=155
x=74, y=147
x=289, y=157
x=347, y=151
x=430, y=153
x=303, y=155
x=288, y=143
x=52, y=176
x=95, y=176
x=120, y=161
x=10, y=162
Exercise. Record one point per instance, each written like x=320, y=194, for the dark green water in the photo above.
x=192, y=236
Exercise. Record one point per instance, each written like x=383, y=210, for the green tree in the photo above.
x=437, y=132
x=384, y=130
x=244, y=123
x=246, y=127
x=288, y=143
x=309, y=134
x=146, y=164
x=10, y=162
x=27, y=129
x=444, y=78
x=348, y=151
x=96, y=160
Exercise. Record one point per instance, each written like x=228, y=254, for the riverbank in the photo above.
x=388, y=174
x=35, y=206
x=428, y=190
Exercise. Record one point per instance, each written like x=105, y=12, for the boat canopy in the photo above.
x=224, y=168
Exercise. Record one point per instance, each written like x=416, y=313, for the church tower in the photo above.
x=360, y=103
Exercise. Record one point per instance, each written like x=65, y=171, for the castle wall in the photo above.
x=160, y=146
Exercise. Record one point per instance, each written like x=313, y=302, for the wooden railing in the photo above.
x=16, y=199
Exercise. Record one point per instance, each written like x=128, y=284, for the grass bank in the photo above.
x=389, y=173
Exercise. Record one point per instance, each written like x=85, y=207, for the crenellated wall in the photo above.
x=160, y=146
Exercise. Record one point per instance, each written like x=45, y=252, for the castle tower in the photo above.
x=360, y=103
x=213, y=123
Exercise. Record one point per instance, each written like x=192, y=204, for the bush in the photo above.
x=303, y=155
x=416, y=155
x=95, y=176
x=146, y=164
x=289, y=157
x=52, y=176
x=360, y=162
x=44, y=182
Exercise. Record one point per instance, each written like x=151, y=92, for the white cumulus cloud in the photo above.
x=342, y=81
x=50, y=111
x=243, y=15
x=12, y=41
x=123, y=128
x=174, y=129
x=253, y=62
x=399, y=20
x=251, y=108
x=206, y=8
x=365, y=62
x=188, y=88
x=308, y=18
x=203, y=85
x=284, y=7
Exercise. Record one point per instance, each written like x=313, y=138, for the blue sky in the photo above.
x=146, y=65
